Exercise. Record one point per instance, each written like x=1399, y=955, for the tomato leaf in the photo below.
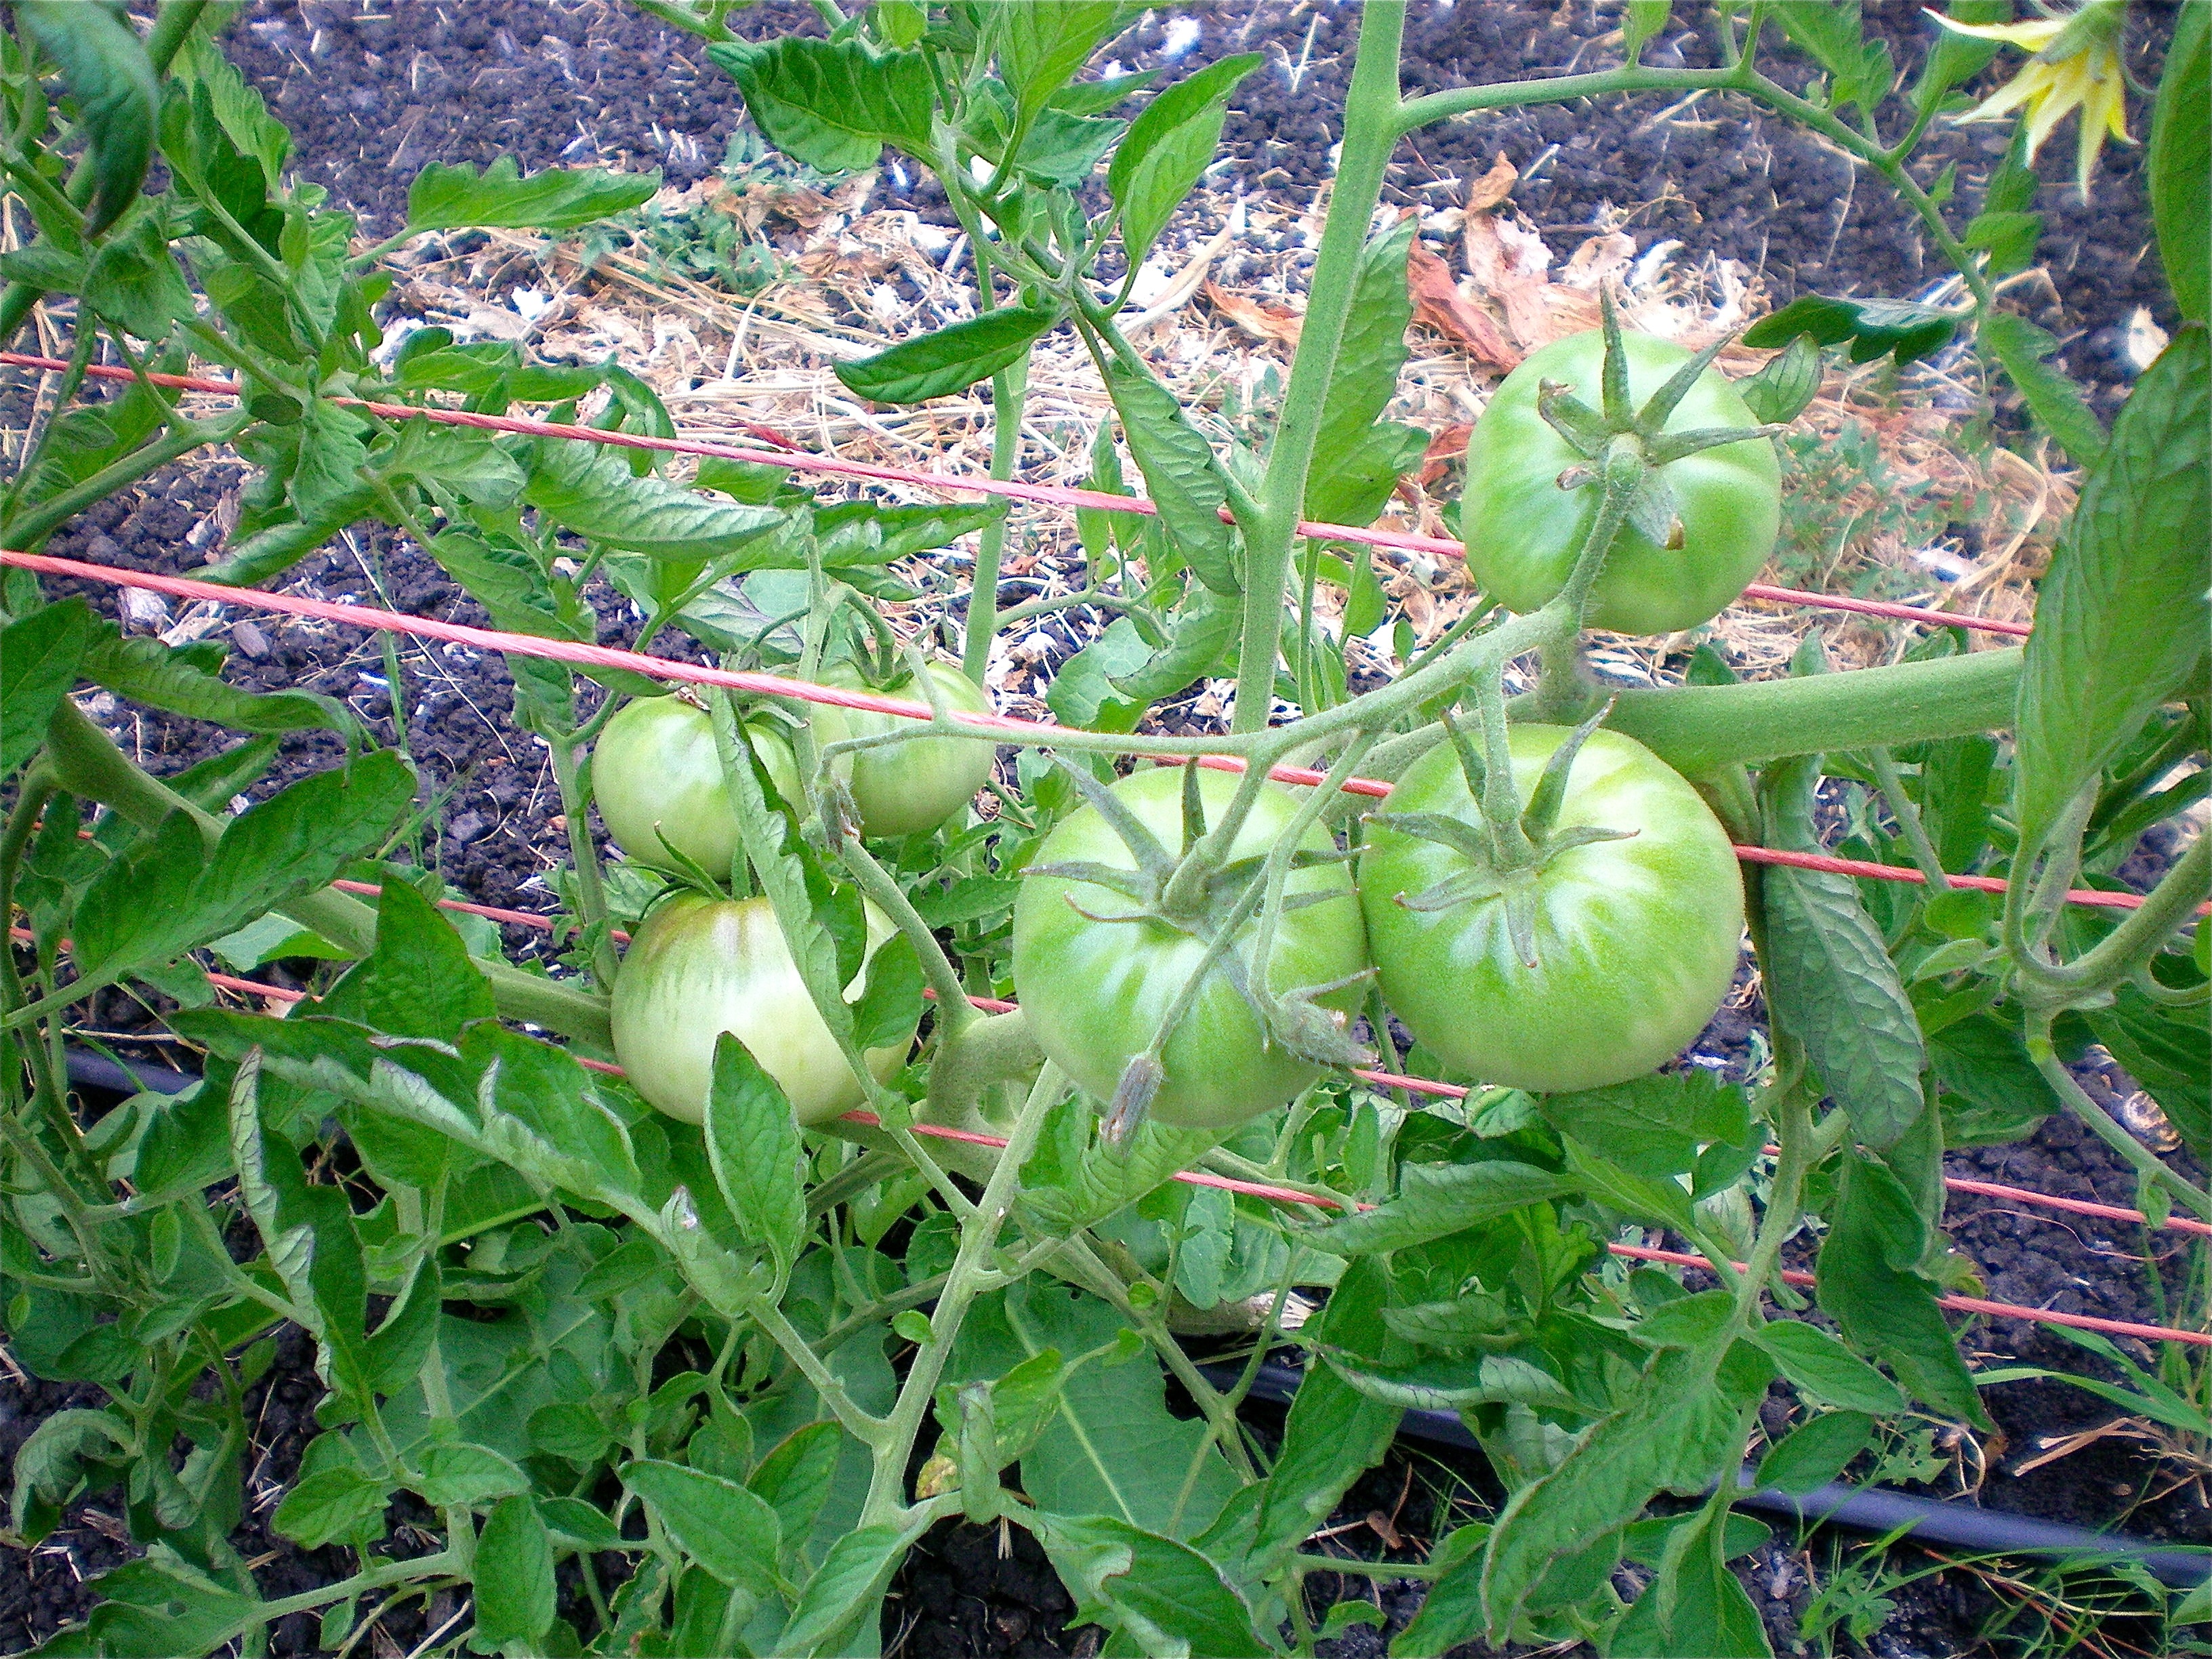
x=1435, y=1200
x=795, y=1478
x=514, y=1574
x=1170, y=143
x=833, y=106
x=331, y=1504
x=1815, y=1452
x=2169, y=1052
x=1333, y=1433
x=752, y=1141
x=1899, y=328
x=559, y=198
x=1695, y=1608
x=1784, y=384
x=2121, y=621
x=847, y=1588
x=39, y=657
x=1180, y=469
x=459, y=1472
x=2059, y=407
x=1063, y=1197
x=167, y=894
x=588, y=489
x=1653, y=1125
x=1989, y=1088
x=951, y=359
x=1679, y=1426
x=1868, y=1281
x=1829, y=977
x=1163, y=1596
x=1825, y=1369
x=2180, y=161
x=145, y=671
x=727, y=1529
x=1043, y=43
x=105, y=67
x=1368, y=358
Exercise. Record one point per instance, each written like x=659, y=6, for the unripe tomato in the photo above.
x=699, y=967
x=1095, y=992
x=907, y=788
x=1522, y=532
x=657, y=777
x=1637, y=940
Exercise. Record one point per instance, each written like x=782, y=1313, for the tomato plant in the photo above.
x=699, y=967
x=655, y=1341
x=913, y=787
x=1717, y=511
x=1636, y=940
x=657, y=780
x=1097, y=988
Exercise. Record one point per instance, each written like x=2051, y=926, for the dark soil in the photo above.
x=372, y=94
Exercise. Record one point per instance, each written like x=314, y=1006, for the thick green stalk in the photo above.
x=27, y=531
x=1699, y=728
x=1371, y=130
x=2140, y=934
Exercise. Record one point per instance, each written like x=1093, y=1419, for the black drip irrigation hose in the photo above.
x=1953, y=1523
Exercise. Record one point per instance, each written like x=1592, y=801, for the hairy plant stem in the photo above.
x=583, y=856
x=2149, y=1169
x=1908, y=819
x=1372, y=117
x=25, y=531
x=1009, y=392
x=2138, y=938
x=978, y=1234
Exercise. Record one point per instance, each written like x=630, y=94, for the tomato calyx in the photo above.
x=1618, y=435
x=1216, y=905
x=1508, y=844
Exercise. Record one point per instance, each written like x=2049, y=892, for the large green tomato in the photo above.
x=657, y=777
x=1636, y=940
x=907, y=788
x=699, y=967
x=1095, y=992
x=1523, y=530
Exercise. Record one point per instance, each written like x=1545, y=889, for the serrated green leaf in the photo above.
x=464, y=1474
x=146, y=671
x=752, y=1140
x=1829, y=977
x=1825, y=1369
x=1815, y=1452
x=2122, y=618
x=833, y=106
x=1899, y=328
x=795, y=1478
x=1653, y=1125
x=1043, y=43
x=951, y=359
x=558, y=199
x=331, y=1504
x=104, y=64
x=514, y=1574
x=39, y=657
x=2059, y=407
x=1868, y=1281
x=1784, y=384
x=1170, y=143
x=846, y=1588
x=727, y=1529
x=2180, y=161
x=1180, y=470
x=1696, y=1609
x=1435, y=1200
x=588, y=489
x=1163, y=1595
x=1679, y=1426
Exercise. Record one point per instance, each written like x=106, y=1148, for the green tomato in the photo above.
x=906, y=788
x=657, y=777
x=1636, y=940
x=1523, y=530
x=698, y=967
x=1095, y=992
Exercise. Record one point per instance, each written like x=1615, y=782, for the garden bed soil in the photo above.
x=372, y=96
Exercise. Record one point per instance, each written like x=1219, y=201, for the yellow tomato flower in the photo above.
x=2076, y=66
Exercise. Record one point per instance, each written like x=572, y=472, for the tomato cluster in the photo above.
x=1580, y=958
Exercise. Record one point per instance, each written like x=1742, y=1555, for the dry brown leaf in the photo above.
x=1445, y=448
x=1494, y=186
x=1439, y=302
x=1510, y=263
x=1256, y=317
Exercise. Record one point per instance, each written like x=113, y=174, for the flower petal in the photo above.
x=2032, y=36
